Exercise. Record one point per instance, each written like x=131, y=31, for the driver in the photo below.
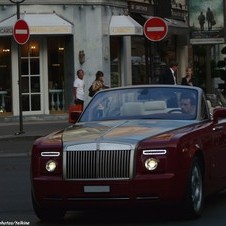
x=187, y=104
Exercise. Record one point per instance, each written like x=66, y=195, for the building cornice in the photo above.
x=119, y=3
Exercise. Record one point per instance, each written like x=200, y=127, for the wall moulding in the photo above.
x=70, y=2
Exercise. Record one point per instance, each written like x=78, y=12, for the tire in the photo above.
x=195, y=195
x=47, y=214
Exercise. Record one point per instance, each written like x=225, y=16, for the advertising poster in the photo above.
x=206, y=21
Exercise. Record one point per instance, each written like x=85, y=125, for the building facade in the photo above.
x=68, y=35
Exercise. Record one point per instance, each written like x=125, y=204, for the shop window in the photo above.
x=35, y=66
x=36, y=103
x=163, y=53
x=5, y=76
x=139, y=60
x=56, y=47
x=115, y=44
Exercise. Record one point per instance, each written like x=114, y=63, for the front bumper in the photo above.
x=140, y=191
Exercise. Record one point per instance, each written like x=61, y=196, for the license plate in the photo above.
x=96, y=189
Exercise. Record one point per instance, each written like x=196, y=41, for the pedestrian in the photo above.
x=189, y=79
x=98, y=84
x=210, y=19
x=78, y=88
x=201, y=19
x=169, y=76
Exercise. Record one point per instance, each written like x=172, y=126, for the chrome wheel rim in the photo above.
x=196, y=188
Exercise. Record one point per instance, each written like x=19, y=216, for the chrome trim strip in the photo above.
x=147, y=198
x=81, y=147
x=101, y=146
x=99, y=179
x=50, y=153
x=102, y=199
x=155, y=152
x=94, y=199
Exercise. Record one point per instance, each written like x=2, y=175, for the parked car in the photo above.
x=132, y=147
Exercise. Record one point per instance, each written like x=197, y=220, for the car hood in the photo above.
x=127, y=131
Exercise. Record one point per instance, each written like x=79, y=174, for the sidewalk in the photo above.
x=32, y=126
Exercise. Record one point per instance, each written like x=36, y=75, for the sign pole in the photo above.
x=21, y=131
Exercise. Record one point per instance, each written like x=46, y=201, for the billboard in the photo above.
x=206, y=21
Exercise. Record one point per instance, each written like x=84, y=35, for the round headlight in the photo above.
x=151, y=164
x=51, y=166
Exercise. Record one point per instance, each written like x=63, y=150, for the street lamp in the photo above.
x=18, y=2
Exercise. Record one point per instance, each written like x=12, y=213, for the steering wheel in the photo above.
x=175, y=111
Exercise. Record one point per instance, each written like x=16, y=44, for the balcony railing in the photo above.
x=2, y=101
x=56, y=99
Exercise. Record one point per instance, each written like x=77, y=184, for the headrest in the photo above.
x=154, y=105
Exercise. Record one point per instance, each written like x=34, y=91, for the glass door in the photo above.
x=30, y=77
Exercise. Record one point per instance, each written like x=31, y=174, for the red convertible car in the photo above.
x=136, y=146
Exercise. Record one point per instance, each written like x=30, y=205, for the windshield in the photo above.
x=141, y=103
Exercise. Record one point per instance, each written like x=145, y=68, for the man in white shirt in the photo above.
x=78, y=88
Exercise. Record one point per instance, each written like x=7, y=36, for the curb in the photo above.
x=34, y=118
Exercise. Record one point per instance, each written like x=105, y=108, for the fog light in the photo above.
x=151, y=164
x=51, y=166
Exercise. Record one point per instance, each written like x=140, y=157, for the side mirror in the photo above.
x=219, y=113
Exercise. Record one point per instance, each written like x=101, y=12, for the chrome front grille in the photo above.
x=98, y=164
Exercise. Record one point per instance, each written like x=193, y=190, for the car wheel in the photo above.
x=194, y=196
x=47, y=214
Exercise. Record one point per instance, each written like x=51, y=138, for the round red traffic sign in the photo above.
x=21, y=31
x=155, y=29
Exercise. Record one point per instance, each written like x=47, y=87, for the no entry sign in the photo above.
x=155, y=29
x=21, y=32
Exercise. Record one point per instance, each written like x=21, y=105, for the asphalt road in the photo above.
x=33, y=129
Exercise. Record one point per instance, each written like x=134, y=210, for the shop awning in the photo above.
x=124, y=25
x=39, y=24
x=177, y=27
